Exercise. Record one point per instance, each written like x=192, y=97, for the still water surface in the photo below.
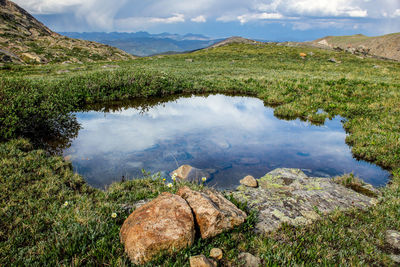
x=235, y=136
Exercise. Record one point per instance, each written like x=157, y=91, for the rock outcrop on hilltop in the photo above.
x=386, y=46
x=23, y=39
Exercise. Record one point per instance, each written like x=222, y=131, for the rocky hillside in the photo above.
x=386, y=46
x=23, y=39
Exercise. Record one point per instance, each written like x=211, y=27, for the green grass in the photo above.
x=37, y=229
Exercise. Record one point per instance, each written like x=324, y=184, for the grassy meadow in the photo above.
x=49, y=216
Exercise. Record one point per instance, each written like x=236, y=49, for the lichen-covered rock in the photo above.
x=249, y=181
x=248, y=260
x=395, y=258
x=214, y=214
x=393, y=239
x=216, y=253
x=164, y=224
x=289, y=196
x=192, y=174
x=201, y=261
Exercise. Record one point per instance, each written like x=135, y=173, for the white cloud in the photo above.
x=199, y=19
x=135, y=15
x=48, y=6
x=322, y=8
x=137, y=23
x=258, y=16
x=174, y=19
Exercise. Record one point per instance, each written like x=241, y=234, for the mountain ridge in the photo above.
x=25, y=40
x=384, y=46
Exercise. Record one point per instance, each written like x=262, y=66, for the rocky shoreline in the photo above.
x=170, y=222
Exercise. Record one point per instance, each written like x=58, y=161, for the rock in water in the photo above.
x=289, y=196
x=192, y=174
x=164, y=224
x=249, y=181
x=248, y=260
x=201, y=261
x=213, y=212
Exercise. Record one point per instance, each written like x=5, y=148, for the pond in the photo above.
x=231, y=136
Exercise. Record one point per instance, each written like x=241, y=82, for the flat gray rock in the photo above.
x=289, y=196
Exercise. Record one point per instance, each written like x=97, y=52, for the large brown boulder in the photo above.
x=164, y=224
x=213, y=212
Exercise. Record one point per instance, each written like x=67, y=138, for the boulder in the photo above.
x=213, y=213
x=249, y=181
x=248, y=260
x=289, y=196
x=164, y=224
x=393, y=239
x=201, y=261
x=216, y=253
x=192, y=174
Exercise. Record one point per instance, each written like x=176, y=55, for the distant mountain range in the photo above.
x=146, y=44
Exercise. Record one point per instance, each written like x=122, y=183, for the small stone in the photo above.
x=249, y=181
x=110, y=67
x=62, y=71
x=393, y=239
x=248, y=260
x=214, y=214
x=333, y=60
x=201, y=261
x=395, y=258
x=216, y=253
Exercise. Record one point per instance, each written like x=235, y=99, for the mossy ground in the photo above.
x=37, y=229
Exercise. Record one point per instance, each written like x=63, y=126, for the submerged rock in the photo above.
x=214, y=214
x=164, y=224
x=289, y=196
x=192, y=174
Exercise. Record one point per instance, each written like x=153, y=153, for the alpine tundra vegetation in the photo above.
x=49, y=215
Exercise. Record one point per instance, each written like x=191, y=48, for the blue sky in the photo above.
x=276, y=20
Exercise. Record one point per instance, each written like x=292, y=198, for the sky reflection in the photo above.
x=235, y=136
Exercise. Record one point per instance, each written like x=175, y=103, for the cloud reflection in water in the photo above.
x=236, y=136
